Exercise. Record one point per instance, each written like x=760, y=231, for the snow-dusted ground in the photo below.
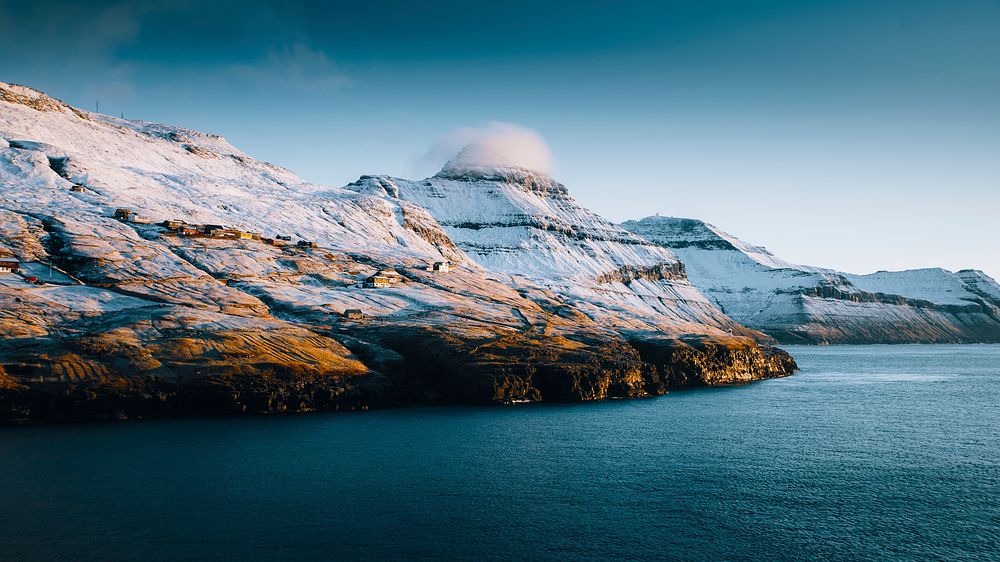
x=45, y=273
x=759, y=289
x=165, y=172
x=516, y=239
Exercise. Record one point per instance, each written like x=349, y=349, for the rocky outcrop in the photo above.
x=23, y=95
x=513, y=367
x=658, y=272
x=701, y=361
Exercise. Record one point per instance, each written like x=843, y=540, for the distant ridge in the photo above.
x=803, y=304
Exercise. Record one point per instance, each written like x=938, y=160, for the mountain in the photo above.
x=524, y=225
x=795, y=303
x=132, y=300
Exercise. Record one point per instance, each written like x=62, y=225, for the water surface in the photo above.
x=868, y=452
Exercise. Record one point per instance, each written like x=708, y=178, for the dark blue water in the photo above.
x=868, y=452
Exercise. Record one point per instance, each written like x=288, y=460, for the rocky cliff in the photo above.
x=191, y=301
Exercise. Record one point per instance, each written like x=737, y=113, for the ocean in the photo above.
x=869, y=452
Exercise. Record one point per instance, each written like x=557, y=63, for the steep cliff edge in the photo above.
x=803, y=304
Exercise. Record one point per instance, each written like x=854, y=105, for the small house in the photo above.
x=273, y=242
x=141, y=219
x=441, y=266
x=188, y=231
x=306, y=244
x=172, y=224
x=392, y=275
x=208, y=228
x=377, y=282
x=123, y=214
x=353, y=314
x=77, y=188
x=9, y=266
x=246, y=235
x=283, y=237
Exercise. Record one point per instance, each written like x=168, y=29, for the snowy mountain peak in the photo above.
x=462, y=170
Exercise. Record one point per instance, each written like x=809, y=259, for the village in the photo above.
x=381, y=279
x=42, y=273
x=182, y=228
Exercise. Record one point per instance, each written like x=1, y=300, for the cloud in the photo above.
x=295, y=66
x=495, y=144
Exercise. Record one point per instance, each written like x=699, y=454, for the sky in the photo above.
x=856, y=135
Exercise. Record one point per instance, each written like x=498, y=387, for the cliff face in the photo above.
x=170, y=361
x=78, y=351
x=112, y=318
x=583, y=365
x=802, y=304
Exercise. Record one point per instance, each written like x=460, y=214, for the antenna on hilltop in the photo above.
x=98, y=107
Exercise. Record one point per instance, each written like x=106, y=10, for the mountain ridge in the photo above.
x=805, y=304
x=503, y=220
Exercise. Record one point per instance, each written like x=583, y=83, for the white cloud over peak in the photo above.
x=496, y=144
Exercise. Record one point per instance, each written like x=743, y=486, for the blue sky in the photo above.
x=847, y=134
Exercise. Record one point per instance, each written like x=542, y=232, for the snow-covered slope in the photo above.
x=172, y=173
x=802, y=303
x=525, y=225
x=131, y=314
